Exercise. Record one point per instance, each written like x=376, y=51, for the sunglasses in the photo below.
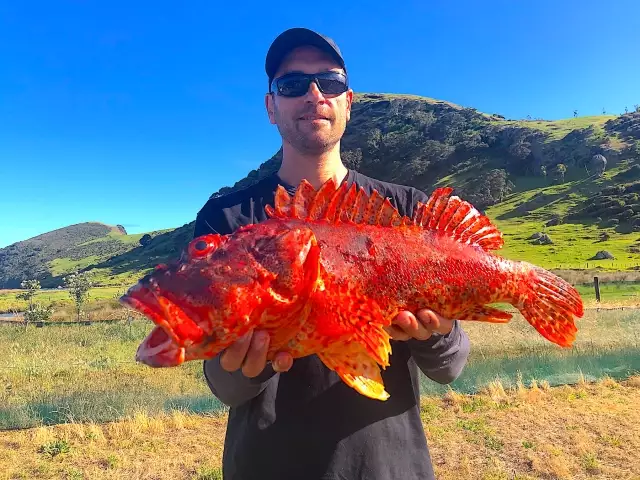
x=297, y=84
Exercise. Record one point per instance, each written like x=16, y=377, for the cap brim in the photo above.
x=293, y=38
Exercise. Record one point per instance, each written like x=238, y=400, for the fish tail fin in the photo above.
x=550, y=305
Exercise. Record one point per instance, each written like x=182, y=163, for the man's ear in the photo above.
x=268, y=103
x=349, y=102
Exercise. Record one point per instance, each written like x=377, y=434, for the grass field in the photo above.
x=557, y=129
x=87, y=372
x=58, y=298
x=530, y=432
x=89, y=411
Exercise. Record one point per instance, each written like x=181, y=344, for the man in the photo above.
x=298, y=420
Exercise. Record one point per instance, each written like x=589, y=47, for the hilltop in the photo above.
x=529, y=176
x=50, y=255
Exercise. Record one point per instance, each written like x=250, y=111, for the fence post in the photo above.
x=596, y=284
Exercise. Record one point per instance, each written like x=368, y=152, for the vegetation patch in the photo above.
x=525, y=432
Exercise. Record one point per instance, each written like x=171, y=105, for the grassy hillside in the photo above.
x=530, y=176
x=51, y=255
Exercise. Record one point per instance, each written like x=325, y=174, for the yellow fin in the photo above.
x=356, y=368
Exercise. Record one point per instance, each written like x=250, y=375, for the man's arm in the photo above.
x=442, y=357
x=228, y=382
x=234, y=388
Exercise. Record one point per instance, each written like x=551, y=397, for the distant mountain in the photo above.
x=526, y=174
x=50, y=255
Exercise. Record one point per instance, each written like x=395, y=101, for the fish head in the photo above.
x=220, y=288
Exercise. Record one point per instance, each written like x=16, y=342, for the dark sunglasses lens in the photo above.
x=293, y=86
x=332, y=85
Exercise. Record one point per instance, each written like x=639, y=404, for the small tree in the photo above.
x=35, y=311
x=559, y=171
x=30, y=288
x=79, y=286
x=543, y=171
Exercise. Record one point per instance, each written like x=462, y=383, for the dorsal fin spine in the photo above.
x=449, y=215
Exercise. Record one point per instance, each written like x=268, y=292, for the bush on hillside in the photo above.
x=488, y=189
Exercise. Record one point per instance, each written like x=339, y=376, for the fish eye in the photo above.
x=200, y=247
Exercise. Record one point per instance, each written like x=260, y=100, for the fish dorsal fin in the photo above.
x=457, y=219
x=444, y=213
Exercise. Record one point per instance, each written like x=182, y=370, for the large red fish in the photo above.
x=330, y=269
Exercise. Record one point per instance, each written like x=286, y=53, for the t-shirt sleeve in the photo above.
x=211, y=219
x=442, y=357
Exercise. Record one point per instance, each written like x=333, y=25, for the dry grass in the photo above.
x=530, y=432
x=537, y=432
x=169, y=446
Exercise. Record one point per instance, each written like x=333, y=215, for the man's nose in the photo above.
x=314, y=91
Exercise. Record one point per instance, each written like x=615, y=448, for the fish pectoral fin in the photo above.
x=483, y=313
x=356, y=368
x=352, y=312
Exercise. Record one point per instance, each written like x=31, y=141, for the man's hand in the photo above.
x=250, y=354
x=420, y=326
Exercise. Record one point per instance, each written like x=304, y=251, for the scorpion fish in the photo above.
x=327, y=272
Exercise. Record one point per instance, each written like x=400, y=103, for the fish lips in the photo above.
x=174, y=330
x=159, y=350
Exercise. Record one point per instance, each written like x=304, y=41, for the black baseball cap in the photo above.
x=297, y=37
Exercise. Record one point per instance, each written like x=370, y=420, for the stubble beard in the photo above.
x=311, y=141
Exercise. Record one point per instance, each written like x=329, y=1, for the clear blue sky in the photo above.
x=134, y=112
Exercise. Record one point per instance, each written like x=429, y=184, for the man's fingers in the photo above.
x=397, y=333
x=256, y=358
x=410, y=326
x=429, y=319
x=434, y=322
x=233, y=356
x=282, y=362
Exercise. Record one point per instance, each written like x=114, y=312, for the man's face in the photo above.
x=315, y=122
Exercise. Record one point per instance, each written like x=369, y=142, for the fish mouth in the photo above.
x=158, y=350
x=165, y=345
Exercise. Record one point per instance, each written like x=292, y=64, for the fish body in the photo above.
x=330, y=269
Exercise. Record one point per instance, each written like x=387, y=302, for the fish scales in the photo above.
x=407, y=266
x=330, y=269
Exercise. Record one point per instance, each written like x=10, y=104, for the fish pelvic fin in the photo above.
x=449, y=215
x=550, y=305
x=356, y=368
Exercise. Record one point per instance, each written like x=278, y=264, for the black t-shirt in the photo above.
x=306, y=423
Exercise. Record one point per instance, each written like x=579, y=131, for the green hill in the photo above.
x=50, y=255
x=576, y=180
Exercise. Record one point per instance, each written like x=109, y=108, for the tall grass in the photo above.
x=607, y=344
x=87, y=373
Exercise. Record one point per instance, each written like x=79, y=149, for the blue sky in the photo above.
x=133, y=113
